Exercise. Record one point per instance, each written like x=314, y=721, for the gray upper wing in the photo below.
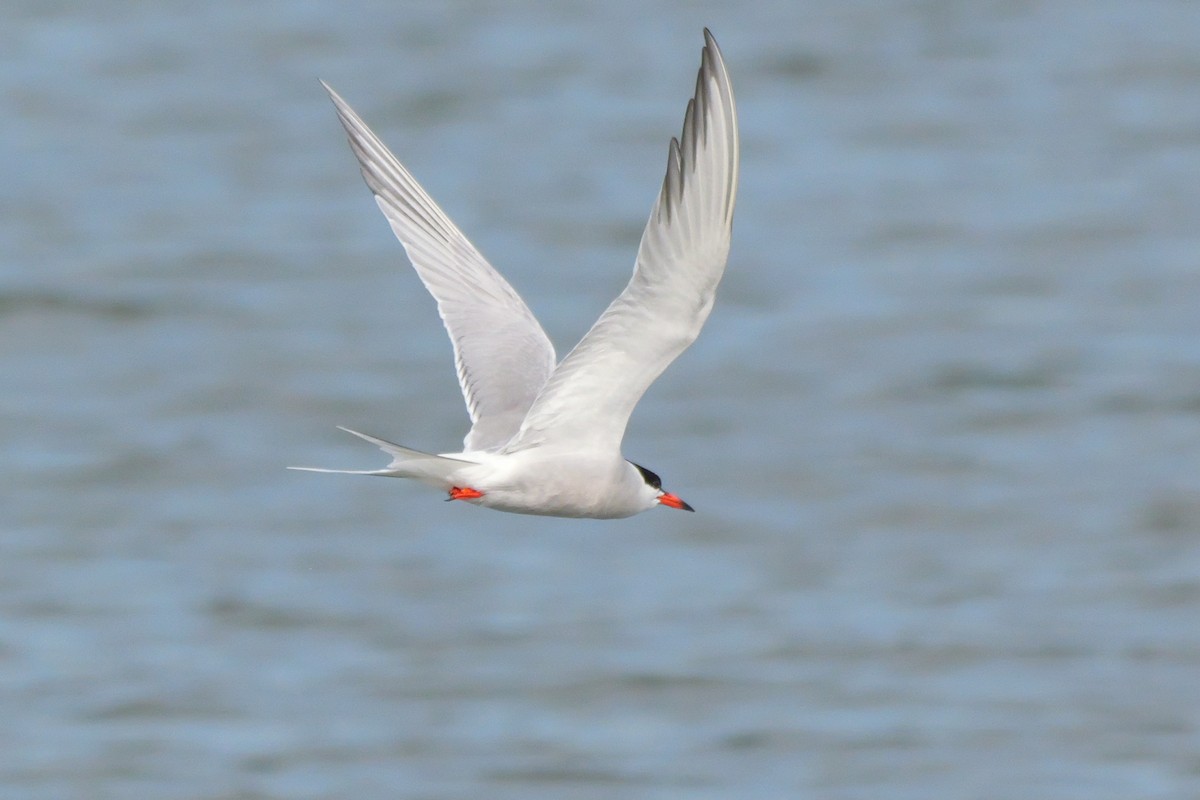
x=589, y=397
x=501, y=353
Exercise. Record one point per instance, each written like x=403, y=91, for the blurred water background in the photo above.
x=942, y=430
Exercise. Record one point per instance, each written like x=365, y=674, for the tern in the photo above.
x=546, y=435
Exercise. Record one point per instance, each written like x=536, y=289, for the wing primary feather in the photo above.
x=589, y=397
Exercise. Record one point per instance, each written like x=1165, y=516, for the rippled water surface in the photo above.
x=943, y=428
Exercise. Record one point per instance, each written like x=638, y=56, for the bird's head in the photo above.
x=655, y=493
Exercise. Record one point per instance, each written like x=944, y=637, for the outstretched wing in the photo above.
x=502, y=355
x=588, y=399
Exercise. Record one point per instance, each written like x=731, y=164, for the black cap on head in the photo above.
x=649, y=477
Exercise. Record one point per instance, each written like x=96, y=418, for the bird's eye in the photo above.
x=649, y=477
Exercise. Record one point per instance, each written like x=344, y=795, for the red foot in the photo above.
x=464, y=494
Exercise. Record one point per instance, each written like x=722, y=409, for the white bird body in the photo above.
x=546, y=436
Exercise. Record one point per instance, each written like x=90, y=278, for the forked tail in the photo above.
x=406, y=463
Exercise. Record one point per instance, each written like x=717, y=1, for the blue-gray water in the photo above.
x=943, y=428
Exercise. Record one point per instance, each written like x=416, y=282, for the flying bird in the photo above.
x=545, y=434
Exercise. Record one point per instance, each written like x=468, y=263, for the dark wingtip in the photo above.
x=710, y=40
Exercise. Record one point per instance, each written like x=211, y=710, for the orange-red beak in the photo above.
x=668, y=499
